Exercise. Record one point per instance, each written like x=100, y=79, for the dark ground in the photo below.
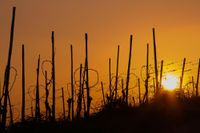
x=166, y=114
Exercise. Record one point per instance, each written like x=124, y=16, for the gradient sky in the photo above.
x=108, y=24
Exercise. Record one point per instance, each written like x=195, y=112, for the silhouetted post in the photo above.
x=7, y=74
x=129, y=66
x=110, y=80
x=23, y=86
x=117, y=67
x=83, y=91
x=79, y=102
x=139, y=92
x=37, y=103
x=69, y=101
x=53, y=78
x=182, y=74
x=87, y=77
x=11, y=112
x=63, y=101
x=46, y=98
x=102, y=89
x=161, y=73
x=197, y=87
x=193, y=86
x=147, y=76
x=155, y=61
x=84, y=105
x=72, y=82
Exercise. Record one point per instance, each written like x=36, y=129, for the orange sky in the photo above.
x=108, y=24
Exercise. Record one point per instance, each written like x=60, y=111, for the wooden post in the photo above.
x=53, y=78
x=69, y=101
x=161, y=74
x=110, y=82
x=11, y=112
x=63, y=101
x=102, y=89
x=23, y=86
x=197, y=87
x=79, y=102
x=155, y=61
x=83, y=91
x=128, y=70
x=117, y=67
x=72, y=82
x=7, y=73
x=147, y=76
x=37, y=102
x=46, y=98
x=87, y=77
x=182, y=74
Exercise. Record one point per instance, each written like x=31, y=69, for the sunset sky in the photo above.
x=108, y=23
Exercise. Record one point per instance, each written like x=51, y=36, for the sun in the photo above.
x=170, y=82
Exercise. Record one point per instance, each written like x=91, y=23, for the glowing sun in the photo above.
x=170, y=82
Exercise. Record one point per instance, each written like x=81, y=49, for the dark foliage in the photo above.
x=165, y=114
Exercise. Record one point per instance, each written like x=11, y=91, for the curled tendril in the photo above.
x=43, y=71
x=11, y=86
x=77, y=82
x=31, y=92
x=15, y=77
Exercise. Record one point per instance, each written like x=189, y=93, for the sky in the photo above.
x=108, y=23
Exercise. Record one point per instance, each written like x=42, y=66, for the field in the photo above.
x=166, y=103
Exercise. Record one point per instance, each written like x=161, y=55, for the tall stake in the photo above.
x=117, y=67
x=37, y=103
x=72, y=82
x=83, y=91
x=23, y=86
x=110, y=78
x=63, y=101
x=147, y=76
x=11, y=112
x=87, y=77
x=155, y=61
x=182, y=74
x=102, y=89
x=161, y=74
x=7, y=73
x=53, y=78
x=79, y=102
x=48, y=109
x=129, y=66
x=197, y=87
